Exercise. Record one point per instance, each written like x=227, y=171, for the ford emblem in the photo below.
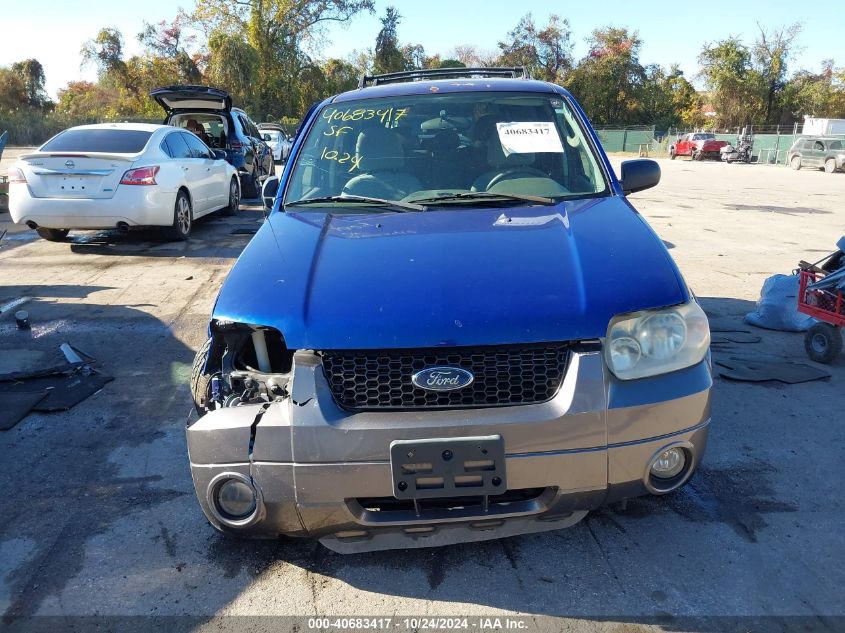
x=442, y=378
x=70, y=164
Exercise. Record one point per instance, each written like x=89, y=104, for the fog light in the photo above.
x=235, y=499
x=669, y=463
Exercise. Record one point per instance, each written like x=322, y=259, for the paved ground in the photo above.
x=98, y=513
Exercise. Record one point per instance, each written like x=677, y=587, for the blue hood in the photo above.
x=450, y=277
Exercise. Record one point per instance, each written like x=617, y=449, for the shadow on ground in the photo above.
x=212, y=235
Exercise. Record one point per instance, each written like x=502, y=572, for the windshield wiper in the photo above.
x=487, y=195
x=398, y=204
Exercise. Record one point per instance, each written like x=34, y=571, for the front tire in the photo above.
x=830, y=165
x=234, y=198
x=823, y=342
x=795, y=163
x=201, y=382
x=183, y=219
x=52, y=235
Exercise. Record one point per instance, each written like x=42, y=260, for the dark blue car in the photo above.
x=208, y=113
x=453, y=326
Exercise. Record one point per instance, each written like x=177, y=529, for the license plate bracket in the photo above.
x=448, y=467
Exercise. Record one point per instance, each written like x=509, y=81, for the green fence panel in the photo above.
x=626, y=140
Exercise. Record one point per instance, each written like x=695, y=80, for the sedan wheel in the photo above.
x=182, y=219
x=795, y=163
x=234, y=198
x=830, y=165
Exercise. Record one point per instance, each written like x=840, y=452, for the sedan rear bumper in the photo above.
x=325, y=473
x=133, y=205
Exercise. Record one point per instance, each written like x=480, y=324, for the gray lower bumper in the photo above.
x=321, y=472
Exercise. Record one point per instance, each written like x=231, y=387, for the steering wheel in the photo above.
x=521, y=171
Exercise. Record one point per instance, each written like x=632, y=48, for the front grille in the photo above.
x=381, y=379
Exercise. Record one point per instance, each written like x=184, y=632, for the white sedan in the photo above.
x=279, y=144
x=120, y=175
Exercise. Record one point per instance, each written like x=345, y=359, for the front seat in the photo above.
x=382, y=167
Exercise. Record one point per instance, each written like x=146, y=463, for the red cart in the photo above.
x=823, y=341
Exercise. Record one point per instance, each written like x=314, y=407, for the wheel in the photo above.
x=698, y=156
x=183, y=219
x=234, y=198
x=201, y=382
x=823, y=342
x=52, y=235
x=249, y=185
x=830, y=165
x=795, y=163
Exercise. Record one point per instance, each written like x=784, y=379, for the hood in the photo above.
x=192, y=98
x=450, y=277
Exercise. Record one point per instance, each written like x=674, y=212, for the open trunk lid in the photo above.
x=173, y=98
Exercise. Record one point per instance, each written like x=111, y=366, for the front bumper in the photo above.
x=319, y=470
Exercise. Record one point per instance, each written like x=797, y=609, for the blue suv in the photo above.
x=208, y=113
x=454, y=326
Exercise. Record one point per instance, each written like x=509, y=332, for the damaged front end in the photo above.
x=240, y=364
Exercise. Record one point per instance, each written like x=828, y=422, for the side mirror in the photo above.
x=639, y=174
x=269, y=191
x=219, y=154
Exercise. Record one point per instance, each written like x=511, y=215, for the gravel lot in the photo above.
x=99, y=517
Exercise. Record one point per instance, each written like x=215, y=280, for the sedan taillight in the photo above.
x=16, y=175
x=140, y=176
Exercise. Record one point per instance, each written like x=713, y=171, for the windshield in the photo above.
x=427, y=147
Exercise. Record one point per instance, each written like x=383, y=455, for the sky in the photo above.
x=53, y=31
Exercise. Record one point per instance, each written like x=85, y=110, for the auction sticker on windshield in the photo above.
x=526, y=137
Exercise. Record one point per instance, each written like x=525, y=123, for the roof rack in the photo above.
x=443, y=73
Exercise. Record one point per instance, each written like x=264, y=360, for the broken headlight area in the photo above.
x=240, y=364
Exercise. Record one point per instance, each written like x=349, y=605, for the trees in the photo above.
x=388, y=57
x=546, y=53
x=732, y=82
x=231, y=63
x=31, y=73
x=85, y=100
x=105, y=51
x=168, y=41
x=12, y=91
x=771, y=53
x=277, y=30
x=816, y=94
x=267, y=54
x=609, y=80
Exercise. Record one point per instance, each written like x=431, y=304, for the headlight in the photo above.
x=657, y=341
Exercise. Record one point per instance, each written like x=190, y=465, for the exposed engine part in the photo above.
x=243, y=364
x=260, y=346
